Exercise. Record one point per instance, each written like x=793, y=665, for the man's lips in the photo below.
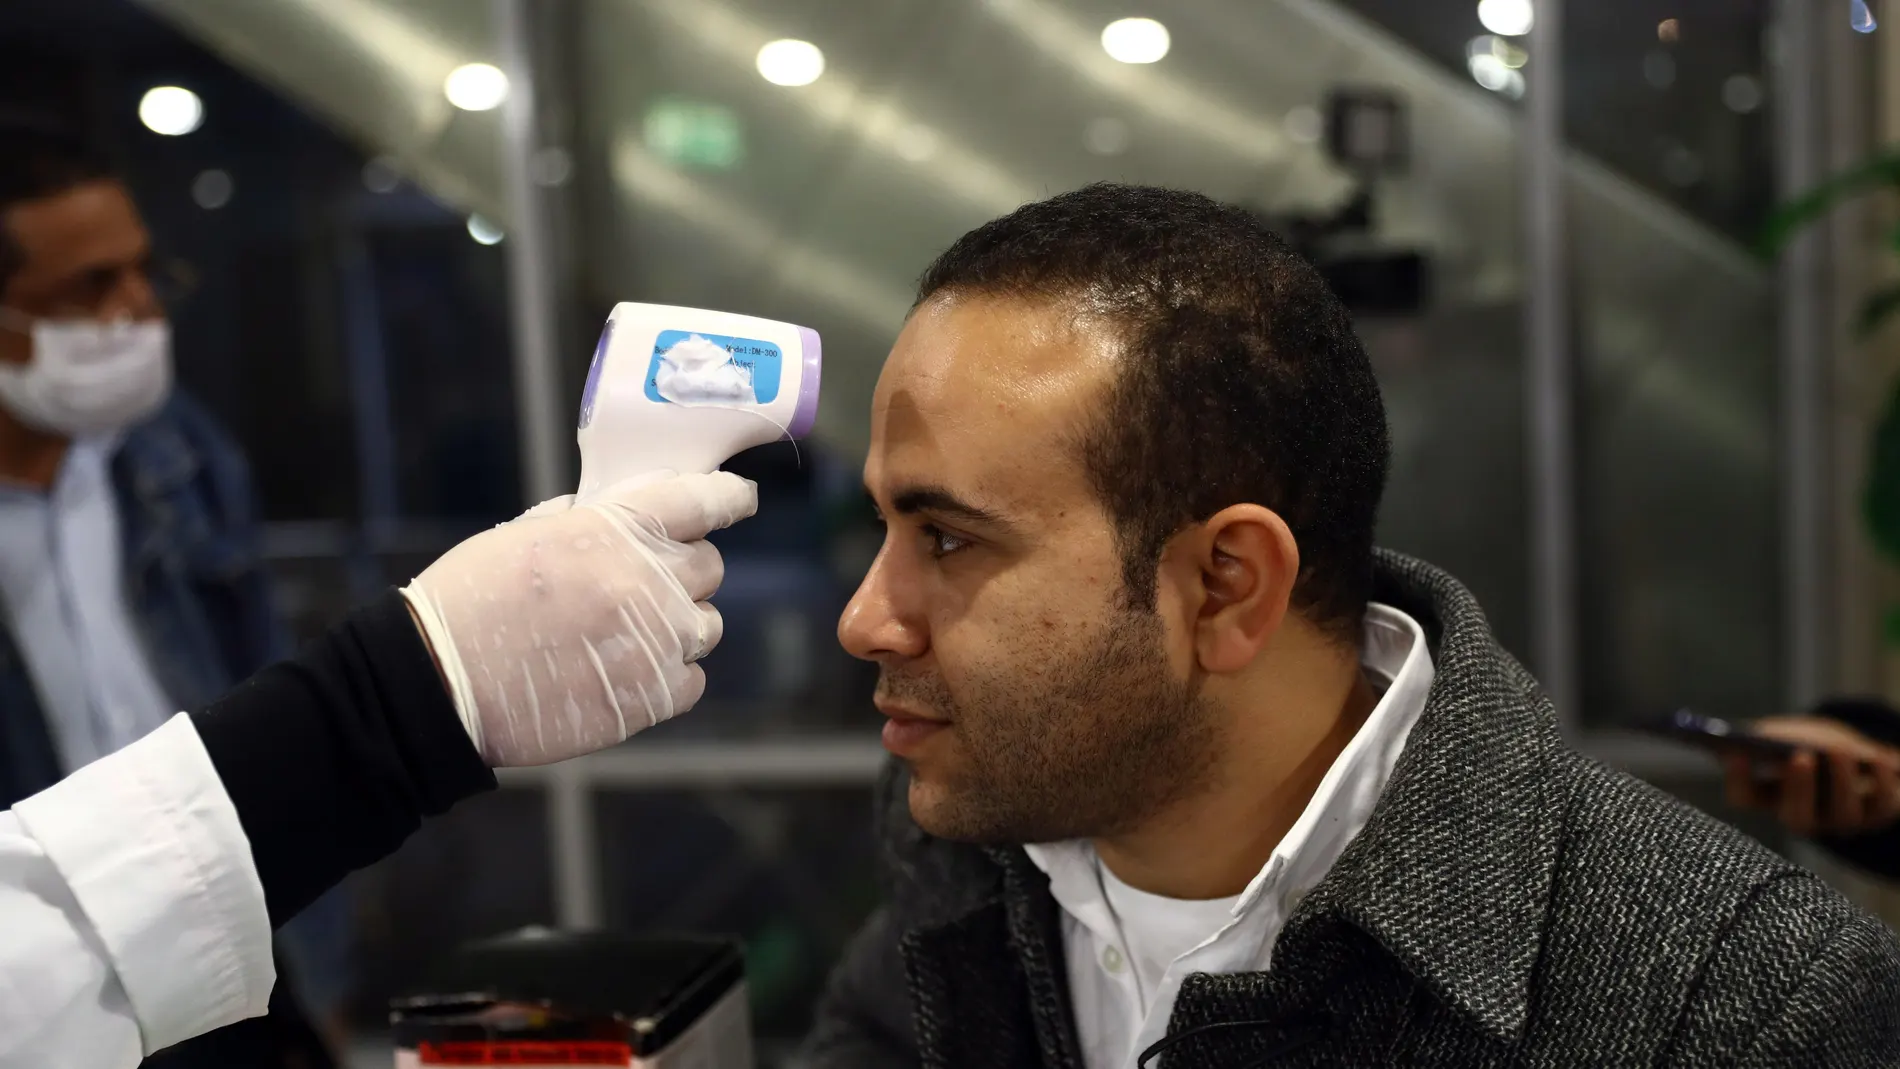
x=906, y=730
x=899, y=711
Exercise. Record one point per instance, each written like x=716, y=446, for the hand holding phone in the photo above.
x=1835, y=781
x=1817, y=776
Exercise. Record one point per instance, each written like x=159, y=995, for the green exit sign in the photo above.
x=693, y=133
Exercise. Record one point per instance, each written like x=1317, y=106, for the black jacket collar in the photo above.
x=1453, y=872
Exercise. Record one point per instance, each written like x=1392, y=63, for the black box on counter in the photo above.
x=540, y=999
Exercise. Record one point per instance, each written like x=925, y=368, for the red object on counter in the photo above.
x=526, y=1052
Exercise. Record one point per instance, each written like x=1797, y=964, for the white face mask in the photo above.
x=88, y=377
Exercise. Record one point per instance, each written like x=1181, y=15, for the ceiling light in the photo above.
x=1489, y=71
x=1681, y=167
x=483, y=231
x=476, y=87
x=1659, y=69
x=1507, y=52
x=1742, y=93
x=553, y=166
x=915, y=143
x=380, y=175
x=212, y=189
x=1861, y=17
x=791, y=62
x=1509, y=18
x=1107, y=136
x=1492, y=73
x=1135, y=40
x=171, y=110
x=1305, y=124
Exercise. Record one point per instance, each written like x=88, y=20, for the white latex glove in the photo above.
x=569, y=629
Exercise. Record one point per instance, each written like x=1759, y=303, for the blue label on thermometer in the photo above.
x=711, y=369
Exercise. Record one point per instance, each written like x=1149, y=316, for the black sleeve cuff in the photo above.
x=1877, y=852
x=1871, y=717
x=334, y=757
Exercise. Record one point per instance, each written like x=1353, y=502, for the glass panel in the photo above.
x=779, y=668
x=313, y=593
x=1441, y=30
x=440, y=314
x=1674, y=94
x=481, y=870
x=707, y=185
x=1675, y=334
x=333, y=300
x=1670, y=93
x=378, y=71
x=342, y=288
x=789, y=872
x=243, y=203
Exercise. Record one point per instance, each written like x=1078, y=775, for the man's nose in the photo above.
x=876, y=625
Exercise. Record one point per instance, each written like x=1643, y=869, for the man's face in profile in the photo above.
x=1030, y=703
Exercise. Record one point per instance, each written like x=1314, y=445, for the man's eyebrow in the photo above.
x=914, y=499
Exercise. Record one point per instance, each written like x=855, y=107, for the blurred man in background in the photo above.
x=131, y=584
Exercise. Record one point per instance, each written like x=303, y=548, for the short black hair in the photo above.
x=39, y=158
x=1243, y=381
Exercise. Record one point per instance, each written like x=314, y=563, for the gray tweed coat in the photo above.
x=1510, y=903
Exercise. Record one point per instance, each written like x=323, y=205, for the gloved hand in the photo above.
x=571, y=628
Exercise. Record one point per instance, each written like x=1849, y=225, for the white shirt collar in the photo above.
x=1395, y=650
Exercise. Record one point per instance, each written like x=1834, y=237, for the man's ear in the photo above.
x=1242, y=563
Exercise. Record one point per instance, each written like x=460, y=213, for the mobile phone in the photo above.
x=1721, y=736
x=1767, y=757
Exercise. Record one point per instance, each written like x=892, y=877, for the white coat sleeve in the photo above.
x=131, y=916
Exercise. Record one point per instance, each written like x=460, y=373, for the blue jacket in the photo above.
x=194, y=578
